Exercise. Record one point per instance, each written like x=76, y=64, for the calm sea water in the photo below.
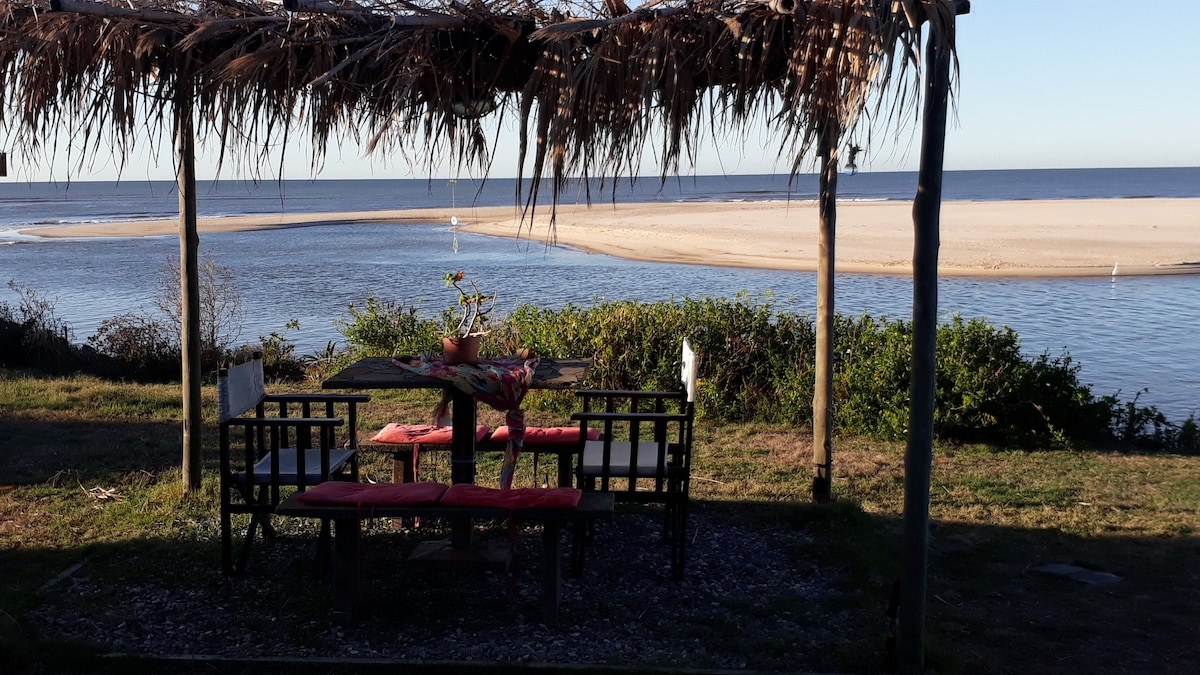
x=1128, y=334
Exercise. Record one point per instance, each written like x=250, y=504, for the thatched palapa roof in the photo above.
x=590, y=85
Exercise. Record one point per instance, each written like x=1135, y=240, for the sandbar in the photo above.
x=1033, y=238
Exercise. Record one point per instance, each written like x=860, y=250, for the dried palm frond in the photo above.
x=597, y=85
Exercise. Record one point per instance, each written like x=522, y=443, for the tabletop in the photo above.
x=381, y=373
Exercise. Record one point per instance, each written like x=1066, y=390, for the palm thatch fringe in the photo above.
x=594, y=90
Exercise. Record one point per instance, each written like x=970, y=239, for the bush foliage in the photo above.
x=757, y=364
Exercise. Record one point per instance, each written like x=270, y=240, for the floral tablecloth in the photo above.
x=500, y=383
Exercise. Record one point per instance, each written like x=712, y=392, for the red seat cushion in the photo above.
x=465, y=494
x=422, y=433
x=547, y=435
x=345, y=493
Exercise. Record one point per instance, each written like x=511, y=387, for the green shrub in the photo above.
x=140, y=347
x=757, y=364
x=280, y=363
x=220, y=304
x=871, y=375
x=1147, y=427
x=988, y=391
x=382, y=328
x=33, y=335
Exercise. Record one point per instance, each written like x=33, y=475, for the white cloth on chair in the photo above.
x=689, y=372
x=243, y=388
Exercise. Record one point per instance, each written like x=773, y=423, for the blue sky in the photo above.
x=1043, y=84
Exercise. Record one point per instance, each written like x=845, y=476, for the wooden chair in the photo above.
x=645, y=452
x=269, y=442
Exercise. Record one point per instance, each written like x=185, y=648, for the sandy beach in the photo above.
x=1017, y=238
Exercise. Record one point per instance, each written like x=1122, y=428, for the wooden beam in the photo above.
x=421, y=18
x=918, y=456
x=918, y=12
x=189, y=283
x=568, y=27
x=822, y=487
x=113, y=12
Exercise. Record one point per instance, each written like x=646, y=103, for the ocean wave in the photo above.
x=67, y=222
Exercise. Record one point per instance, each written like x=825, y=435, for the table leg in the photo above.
x=346, y=532
x=566, y=466
x=551, y=572
x=462, y=457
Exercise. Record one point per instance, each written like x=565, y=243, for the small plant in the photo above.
x=142, y=347
x=32, y=334
x=475, y=306
x=221, y=309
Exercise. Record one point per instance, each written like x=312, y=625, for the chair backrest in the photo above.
x=240, y=388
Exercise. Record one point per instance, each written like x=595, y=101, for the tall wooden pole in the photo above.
x=189, y=284
x=822, y=487
x=918, y=456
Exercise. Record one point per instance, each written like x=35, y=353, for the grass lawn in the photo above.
x=89, y=487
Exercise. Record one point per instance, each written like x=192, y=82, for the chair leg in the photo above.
x=260, y=518
x=679, y=541
x=578, y=542
x=248, y=542
x=268, y=529
x=226, y=542
x=323, y=560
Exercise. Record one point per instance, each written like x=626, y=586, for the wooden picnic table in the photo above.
x=384, y=373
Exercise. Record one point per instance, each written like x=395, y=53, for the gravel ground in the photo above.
x=751, y=600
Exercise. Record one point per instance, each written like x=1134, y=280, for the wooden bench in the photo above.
x=404, y=457
x=405, y=442
x=348, y=525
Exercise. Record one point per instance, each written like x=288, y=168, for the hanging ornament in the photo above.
x=852, y=163
x=453, y=219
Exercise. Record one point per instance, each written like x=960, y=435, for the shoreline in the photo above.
x=1035, y=238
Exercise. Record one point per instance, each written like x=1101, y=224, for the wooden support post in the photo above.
x=918, y=457
x=822, y=487
x=189, y=281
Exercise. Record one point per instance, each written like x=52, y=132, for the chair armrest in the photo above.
x=286, y=421
x=622, y=393
x=316, y=398
x=628, y=417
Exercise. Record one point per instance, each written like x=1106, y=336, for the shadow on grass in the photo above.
x=87, y=449
x=756, y=598
x=998, y=602
x=770, y=587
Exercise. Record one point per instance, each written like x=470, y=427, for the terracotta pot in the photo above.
x=461, y=349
